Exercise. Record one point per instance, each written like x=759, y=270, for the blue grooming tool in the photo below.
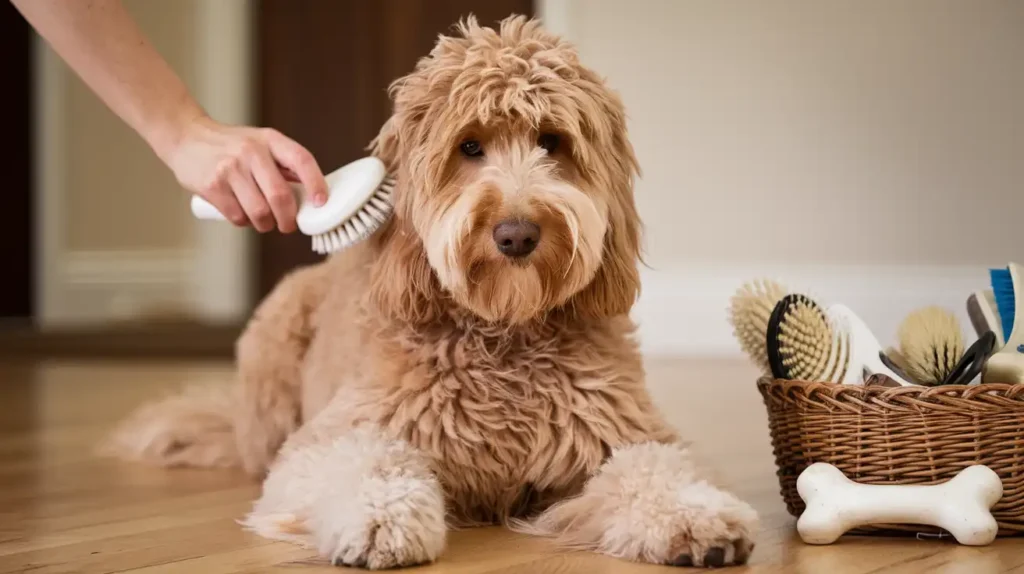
x=1002, y=288
x=1007, y=366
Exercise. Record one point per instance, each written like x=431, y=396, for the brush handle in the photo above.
x=1007, y=366
x=981, y=308
x=203, y=209
x=864, y=348
x=892, y=366
x=873, y=365
x=973, y=361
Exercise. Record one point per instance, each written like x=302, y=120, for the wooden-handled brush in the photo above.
x=931, y=344
x=749, y=311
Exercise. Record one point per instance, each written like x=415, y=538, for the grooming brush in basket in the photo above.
x=965, y=372
x=358, y=203
x=865, y=350
x=931, y=345
x=749, y=311
x=1007, y=366
x=808, y=343
x=984, y=314
x=801, y=344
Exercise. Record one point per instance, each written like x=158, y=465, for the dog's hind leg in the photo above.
x=193, y=428
x=239, y=425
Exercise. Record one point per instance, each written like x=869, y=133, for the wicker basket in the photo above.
x=902, y=435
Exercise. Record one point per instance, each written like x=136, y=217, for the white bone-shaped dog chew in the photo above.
x=836, y=504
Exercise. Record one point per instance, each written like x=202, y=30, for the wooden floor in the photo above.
x=63, y=510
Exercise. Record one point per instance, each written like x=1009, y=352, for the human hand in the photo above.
x=244, y=172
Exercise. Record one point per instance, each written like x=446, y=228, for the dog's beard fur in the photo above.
x=504, y=90
x=514, y=180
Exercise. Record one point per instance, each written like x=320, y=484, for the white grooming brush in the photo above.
x=358, y=203
x=864, y=348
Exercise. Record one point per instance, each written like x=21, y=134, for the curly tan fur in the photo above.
x=424, y=380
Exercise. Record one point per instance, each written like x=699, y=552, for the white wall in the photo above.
x=870, y=151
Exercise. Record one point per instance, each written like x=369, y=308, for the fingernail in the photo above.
x=321, y=198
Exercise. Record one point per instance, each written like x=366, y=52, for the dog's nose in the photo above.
x=516, y=237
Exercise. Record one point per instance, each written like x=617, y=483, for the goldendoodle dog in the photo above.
x=473, y=362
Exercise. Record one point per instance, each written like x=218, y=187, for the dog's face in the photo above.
x=515, y=183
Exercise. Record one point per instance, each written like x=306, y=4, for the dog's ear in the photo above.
x=395, y=137
x=616, y=286
x=386, y=146
x=402, y=284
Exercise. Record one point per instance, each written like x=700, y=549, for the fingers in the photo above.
x=220, y=196
x=289, y=174
x=245, y=174
x=277, y=192
x=297, y=159
x=253, y=202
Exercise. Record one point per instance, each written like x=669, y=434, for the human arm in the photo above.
x=240, y=170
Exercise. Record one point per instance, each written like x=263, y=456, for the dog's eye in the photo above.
x=549, y=142
x=472, y=148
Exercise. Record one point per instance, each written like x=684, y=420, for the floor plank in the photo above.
x=62, y=509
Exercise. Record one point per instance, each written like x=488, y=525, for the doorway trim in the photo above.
x=556, y=15
x=212, y=280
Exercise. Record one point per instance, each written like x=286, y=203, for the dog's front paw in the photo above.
x=648, y=504
x=707, y=527
x=360, y=500
x=392, y=522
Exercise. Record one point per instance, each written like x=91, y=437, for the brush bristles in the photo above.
x=749, y=310
x=931, y=344
x=810, y=346
x=363, y=224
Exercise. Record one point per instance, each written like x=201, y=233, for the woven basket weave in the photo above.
x=902, y=435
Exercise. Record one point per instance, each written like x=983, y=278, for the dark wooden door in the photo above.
x=16, y=231
x=324, y=68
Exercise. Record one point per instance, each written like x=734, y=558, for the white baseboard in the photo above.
x=682, y=311
x=103, y=286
